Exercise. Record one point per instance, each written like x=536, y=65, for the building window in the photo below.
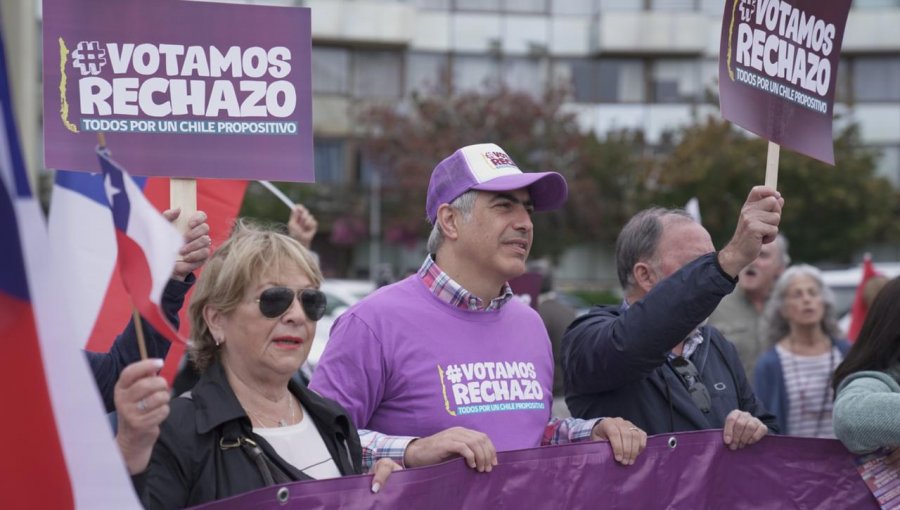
x=605, y=81
x=435, y=5
x=875, y=4
x=475, y=72
x=377, y=73
x=526, y=6
x=876, y=79
x=525, y=74
x=330, y=160
x=843, y=88
x=622, y=5
x=478, y=5
x=675, y=81
x=888, y=165
x=573, y=7
x=620, y=81
x=427, y=72
x=673, y=5
x=330, y=67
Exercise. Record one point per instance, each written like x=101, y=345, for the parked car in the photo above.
x=341, y=294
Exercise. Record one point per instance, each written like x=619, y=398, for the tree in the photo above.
x=538, y=133
x=830, y=212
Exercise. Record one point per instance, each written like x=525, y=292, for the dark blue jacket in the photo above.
x=106, y=366
x=616, y=361
x=768, y=381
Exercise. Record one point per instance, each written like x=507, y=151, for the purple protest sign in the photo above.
x=778, y=68
x=688, y=470
x=180, y=89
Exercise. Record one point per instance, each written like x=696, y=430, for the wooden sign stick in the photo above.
x=772, y=165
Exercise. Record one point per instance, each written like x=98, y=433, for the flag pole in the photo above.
x=772, y=165
x=138, y=324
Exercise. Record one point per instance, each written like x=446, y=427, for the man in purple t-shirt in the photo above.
x=447, y=362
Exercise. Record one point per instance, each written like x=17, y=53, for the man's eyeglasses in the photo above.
x=274, y=301
x=691, y=377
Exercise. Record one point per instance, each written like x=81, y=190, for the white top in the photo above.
x=303, y=447
x=808, y=383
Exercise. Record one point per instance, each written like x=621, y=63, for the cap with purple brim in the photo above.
x=487, y=167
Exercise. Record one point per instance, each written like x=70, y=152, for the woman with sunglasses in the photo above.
x=246, y=424
x=793, y=377
x=867, y=409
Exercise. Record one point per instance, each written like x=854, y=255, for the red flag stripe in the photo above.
x=32, y=464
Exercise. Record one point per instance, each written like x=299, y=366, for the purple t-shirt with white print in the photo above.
x=403, y=362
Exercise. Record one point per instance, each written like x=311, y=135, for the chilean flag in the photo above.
x=81, y=222
x=58, y=452
x=148, y=244
x=859, y=309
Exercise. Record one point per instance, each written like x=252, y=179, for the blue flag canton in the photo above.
x=114, y=187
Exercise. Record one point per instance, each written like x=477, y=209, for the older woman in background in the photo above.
x=793, y=377
x=246, y=424
x=867, y=383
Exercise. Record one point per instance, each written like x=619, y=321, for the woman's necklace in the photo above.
x=279, y=422
x=804, y=384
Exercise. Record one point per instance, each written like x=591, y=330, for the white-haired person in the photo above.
x=246, y=424
x=793, y=378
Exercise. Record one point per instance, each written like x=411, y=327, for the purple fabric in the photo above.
x=153, y=142
x=487, y=167
x=699, y=472
x=762, y=98
x=429, y=366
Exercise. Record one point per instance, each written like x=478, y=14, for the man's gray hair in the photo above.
x=777, y=325
x=465, y=204
x=782, y=243
x=639, y=239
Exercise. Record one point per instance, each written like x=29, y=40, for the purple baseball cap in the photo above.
x=487, y=167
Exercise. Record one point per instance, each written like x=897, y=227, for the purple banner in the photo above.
x=689, y=470
x=778, y=68
x=181, y=89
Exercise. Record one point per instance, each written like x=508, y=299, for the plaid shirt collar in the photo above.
x=447, y=290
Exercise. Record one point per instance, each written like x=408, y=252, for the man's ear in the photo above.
x=448, y=220
x=644, y=276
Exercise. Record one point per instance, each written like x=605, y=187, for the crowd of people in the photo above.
x=446, y=363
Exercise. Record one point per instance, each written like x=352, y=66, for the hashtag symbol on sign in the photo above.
x=89, y=57
x=454, y=374
x=747, y=8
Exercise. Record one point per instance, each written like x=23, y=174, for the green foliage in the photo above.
x=830, y=212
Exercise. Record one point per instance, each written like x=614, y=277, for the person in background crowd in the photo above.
x=652, y=359
x=246, y=424
x=107, y=366
x=445, y=363
x=793, y=377
x=557, y=315
x=867, y=383
x=740, y=315
x=302, y=226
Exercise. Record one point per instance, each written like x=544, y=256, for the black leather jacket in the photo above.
x=207, y=449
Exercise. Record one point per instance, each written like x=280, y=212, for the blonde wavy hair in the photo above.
x=251, y=252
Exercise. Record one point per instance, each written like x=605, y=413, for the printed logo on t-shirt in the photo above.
x=489, y=386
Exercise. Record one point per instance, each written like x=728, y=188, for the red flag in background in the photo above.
x=860, y=308
x=221, y=200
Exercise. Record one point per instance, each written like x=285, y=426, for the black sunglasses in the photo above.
x=691, y=377
x=274, y=301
